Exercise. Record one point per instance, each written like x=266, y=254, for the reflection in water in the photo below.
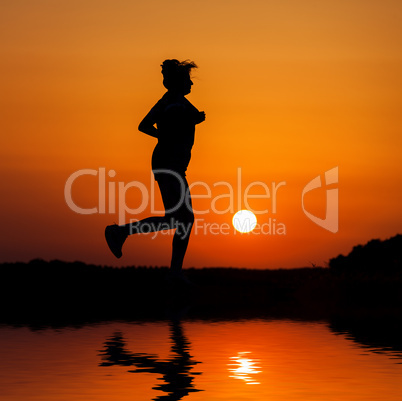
x=244, y=368
x=176, y=371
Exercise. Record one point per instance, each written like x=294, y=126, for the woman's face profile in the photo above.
x=187, y=85
x=181, y=86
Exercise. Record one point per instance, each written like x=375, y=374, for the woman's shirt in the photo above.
x=175, y=119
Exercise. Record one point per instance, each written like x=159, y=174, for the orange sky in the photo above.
x=291, y=89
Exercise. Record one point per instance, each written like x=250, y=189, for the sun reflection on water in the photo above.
x=244, y=368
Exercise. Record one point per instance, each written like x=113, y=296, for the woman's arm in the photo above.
x=147, y=124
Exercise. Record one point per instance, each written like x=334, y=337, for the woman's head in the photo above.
x=176, y=75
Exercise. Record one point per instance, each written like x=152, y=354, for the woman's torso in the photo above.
x=175, y=121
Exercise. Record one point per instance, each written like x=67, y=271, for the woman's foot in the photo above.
x=115, y=237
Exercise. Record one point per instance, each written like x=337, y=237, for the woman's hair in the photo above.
x=175, y=72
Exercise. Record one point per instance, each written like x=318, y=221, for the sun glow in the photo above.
x=244, y=221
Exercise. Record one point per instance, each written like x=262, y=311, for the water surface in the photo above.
x=196, y=360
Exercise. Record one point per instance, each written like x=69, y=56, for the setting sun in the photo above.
x=244, y=221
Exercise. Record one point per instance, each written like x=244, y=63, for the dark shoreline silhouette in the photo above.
x=60, y=293
x=376, y=256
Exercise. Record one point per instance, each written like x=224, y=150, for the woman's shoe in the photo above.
x=115, y=237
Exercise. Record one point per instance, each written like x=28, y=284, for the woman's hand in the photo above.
x=200, y=118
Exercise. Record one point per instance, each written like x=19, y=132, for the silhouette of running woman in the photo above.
x=175, y=119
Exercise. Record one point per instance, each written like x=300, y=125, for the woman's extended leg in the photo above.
x=179, y=215
x=177, y=202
